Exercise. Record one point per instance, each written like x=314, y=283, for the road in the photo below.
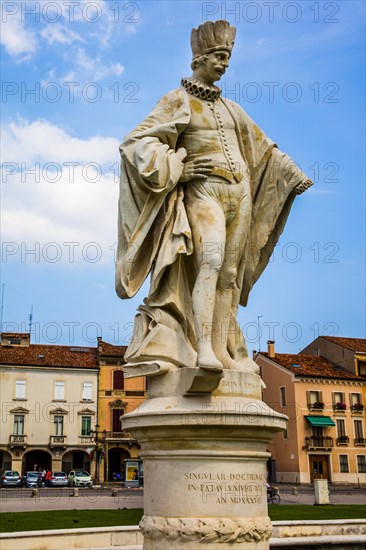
x=21, y=500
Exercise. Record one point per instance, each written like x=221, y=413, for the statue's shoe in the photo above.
x=209, y=361
x=242, y=366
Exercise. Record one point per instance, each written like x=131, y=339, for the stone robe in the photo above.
x=154, y=235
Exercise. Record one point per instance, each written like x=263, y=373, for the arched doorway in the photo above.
x=5, y=460
x=116, y=456
x=36, y=460
x=75, y=459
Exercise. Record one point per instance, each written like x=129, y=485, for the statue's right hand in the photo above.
x=198, y=169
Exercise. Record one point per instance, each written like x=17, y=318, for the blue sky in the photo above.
x=78, y=75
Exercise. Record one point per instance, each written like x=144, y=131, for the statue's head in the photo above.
x=212, y=43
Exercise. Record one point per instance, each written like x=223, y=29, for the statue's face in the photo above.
x=214, y=66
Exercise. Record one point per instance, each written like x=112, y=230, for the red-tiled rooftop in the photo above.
x=110, y=350
x=49, y=356
x=311, y=365
x=15, y=335
x=353, y=344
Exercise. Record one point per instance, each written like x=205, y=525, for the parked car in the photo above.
x=32, y=479
x=10, y=478
x=80, y=478
x=59, y=479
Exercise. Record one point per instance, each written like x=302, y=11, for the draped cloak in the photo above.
x=154, y=235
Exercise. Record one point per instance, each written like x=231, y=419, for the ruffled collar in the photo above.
x=201, y=90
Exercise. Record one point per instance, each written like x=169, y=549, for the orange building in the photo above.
x=116, y=397
x=325, y=402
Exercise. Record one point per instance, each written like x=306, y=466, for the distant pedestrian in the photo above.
x=48, y=478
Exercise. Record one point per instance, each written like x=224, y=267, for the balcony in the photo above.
x=357, y=408
x=315, y=442
x=116, y=436
x=57, y=441
x=360, y=441
x=86, y=440
x=18, y=441
x=343, y=440
x=339, y=407
x=317, y=406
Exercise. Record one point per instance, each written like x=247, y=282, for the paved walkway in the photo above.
x=62, y=499
x=21, y=500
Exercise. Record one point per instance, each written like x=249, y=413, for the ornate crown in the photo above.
x=212, y=36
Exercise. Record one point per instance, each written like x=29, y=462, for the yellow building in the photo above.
x=325, y=403
x=349, y=353
x=116, y=397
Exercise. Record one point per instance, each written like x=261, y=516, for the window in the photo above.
x=343, y=463
x=338, y=397
x=342, y=438
x=283, y=399
x=86, y=425
x=59, y=391
x=315, y=399
x=361, y=367
x=341, y=428
x=339, y=401
x=87, y=391
x=118, y=380
x=355, y=399
x=285, y=434
x=14, y=341
x=317, y=436
x=58, y=425
x=116, y=420
x=358, y=429
x=20, y=389
x=361, y=464
x=18, y=428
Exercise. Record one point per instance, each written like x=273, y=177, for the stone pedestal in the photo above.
x=205, y=463
x=321, y=492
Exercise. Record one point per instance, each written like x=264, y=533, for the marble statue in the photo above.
x=204, y=197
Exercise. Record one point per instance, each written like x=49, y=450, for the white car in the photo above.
x=80, y=478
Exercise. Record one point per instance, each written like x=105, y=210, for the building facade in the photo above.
x=49, y=404
x=325, y=436
x=116, y=397
x=62, y=407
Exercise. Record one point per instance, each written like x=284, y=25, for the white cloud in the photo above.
x=59, y=203
x=17, y=40
x=57, y=33
x=42, y=140
x=94, y=68
x=63, y=23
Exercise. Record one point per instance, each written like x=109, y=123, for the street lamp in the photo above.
x=259, y=334
x=96, y=451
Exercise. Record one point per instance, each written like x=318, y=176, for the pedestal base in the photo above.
x=205, y=463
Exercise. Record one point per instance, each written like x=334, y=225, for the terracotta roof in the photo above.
x=110, y=350
x=49, y=356
x=15, y=335
x=354, y=344
x=311, y=365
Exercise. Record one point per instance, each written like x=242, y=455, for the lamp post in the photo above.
x=96, y=452
x=259, y=333
x=104, y=432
